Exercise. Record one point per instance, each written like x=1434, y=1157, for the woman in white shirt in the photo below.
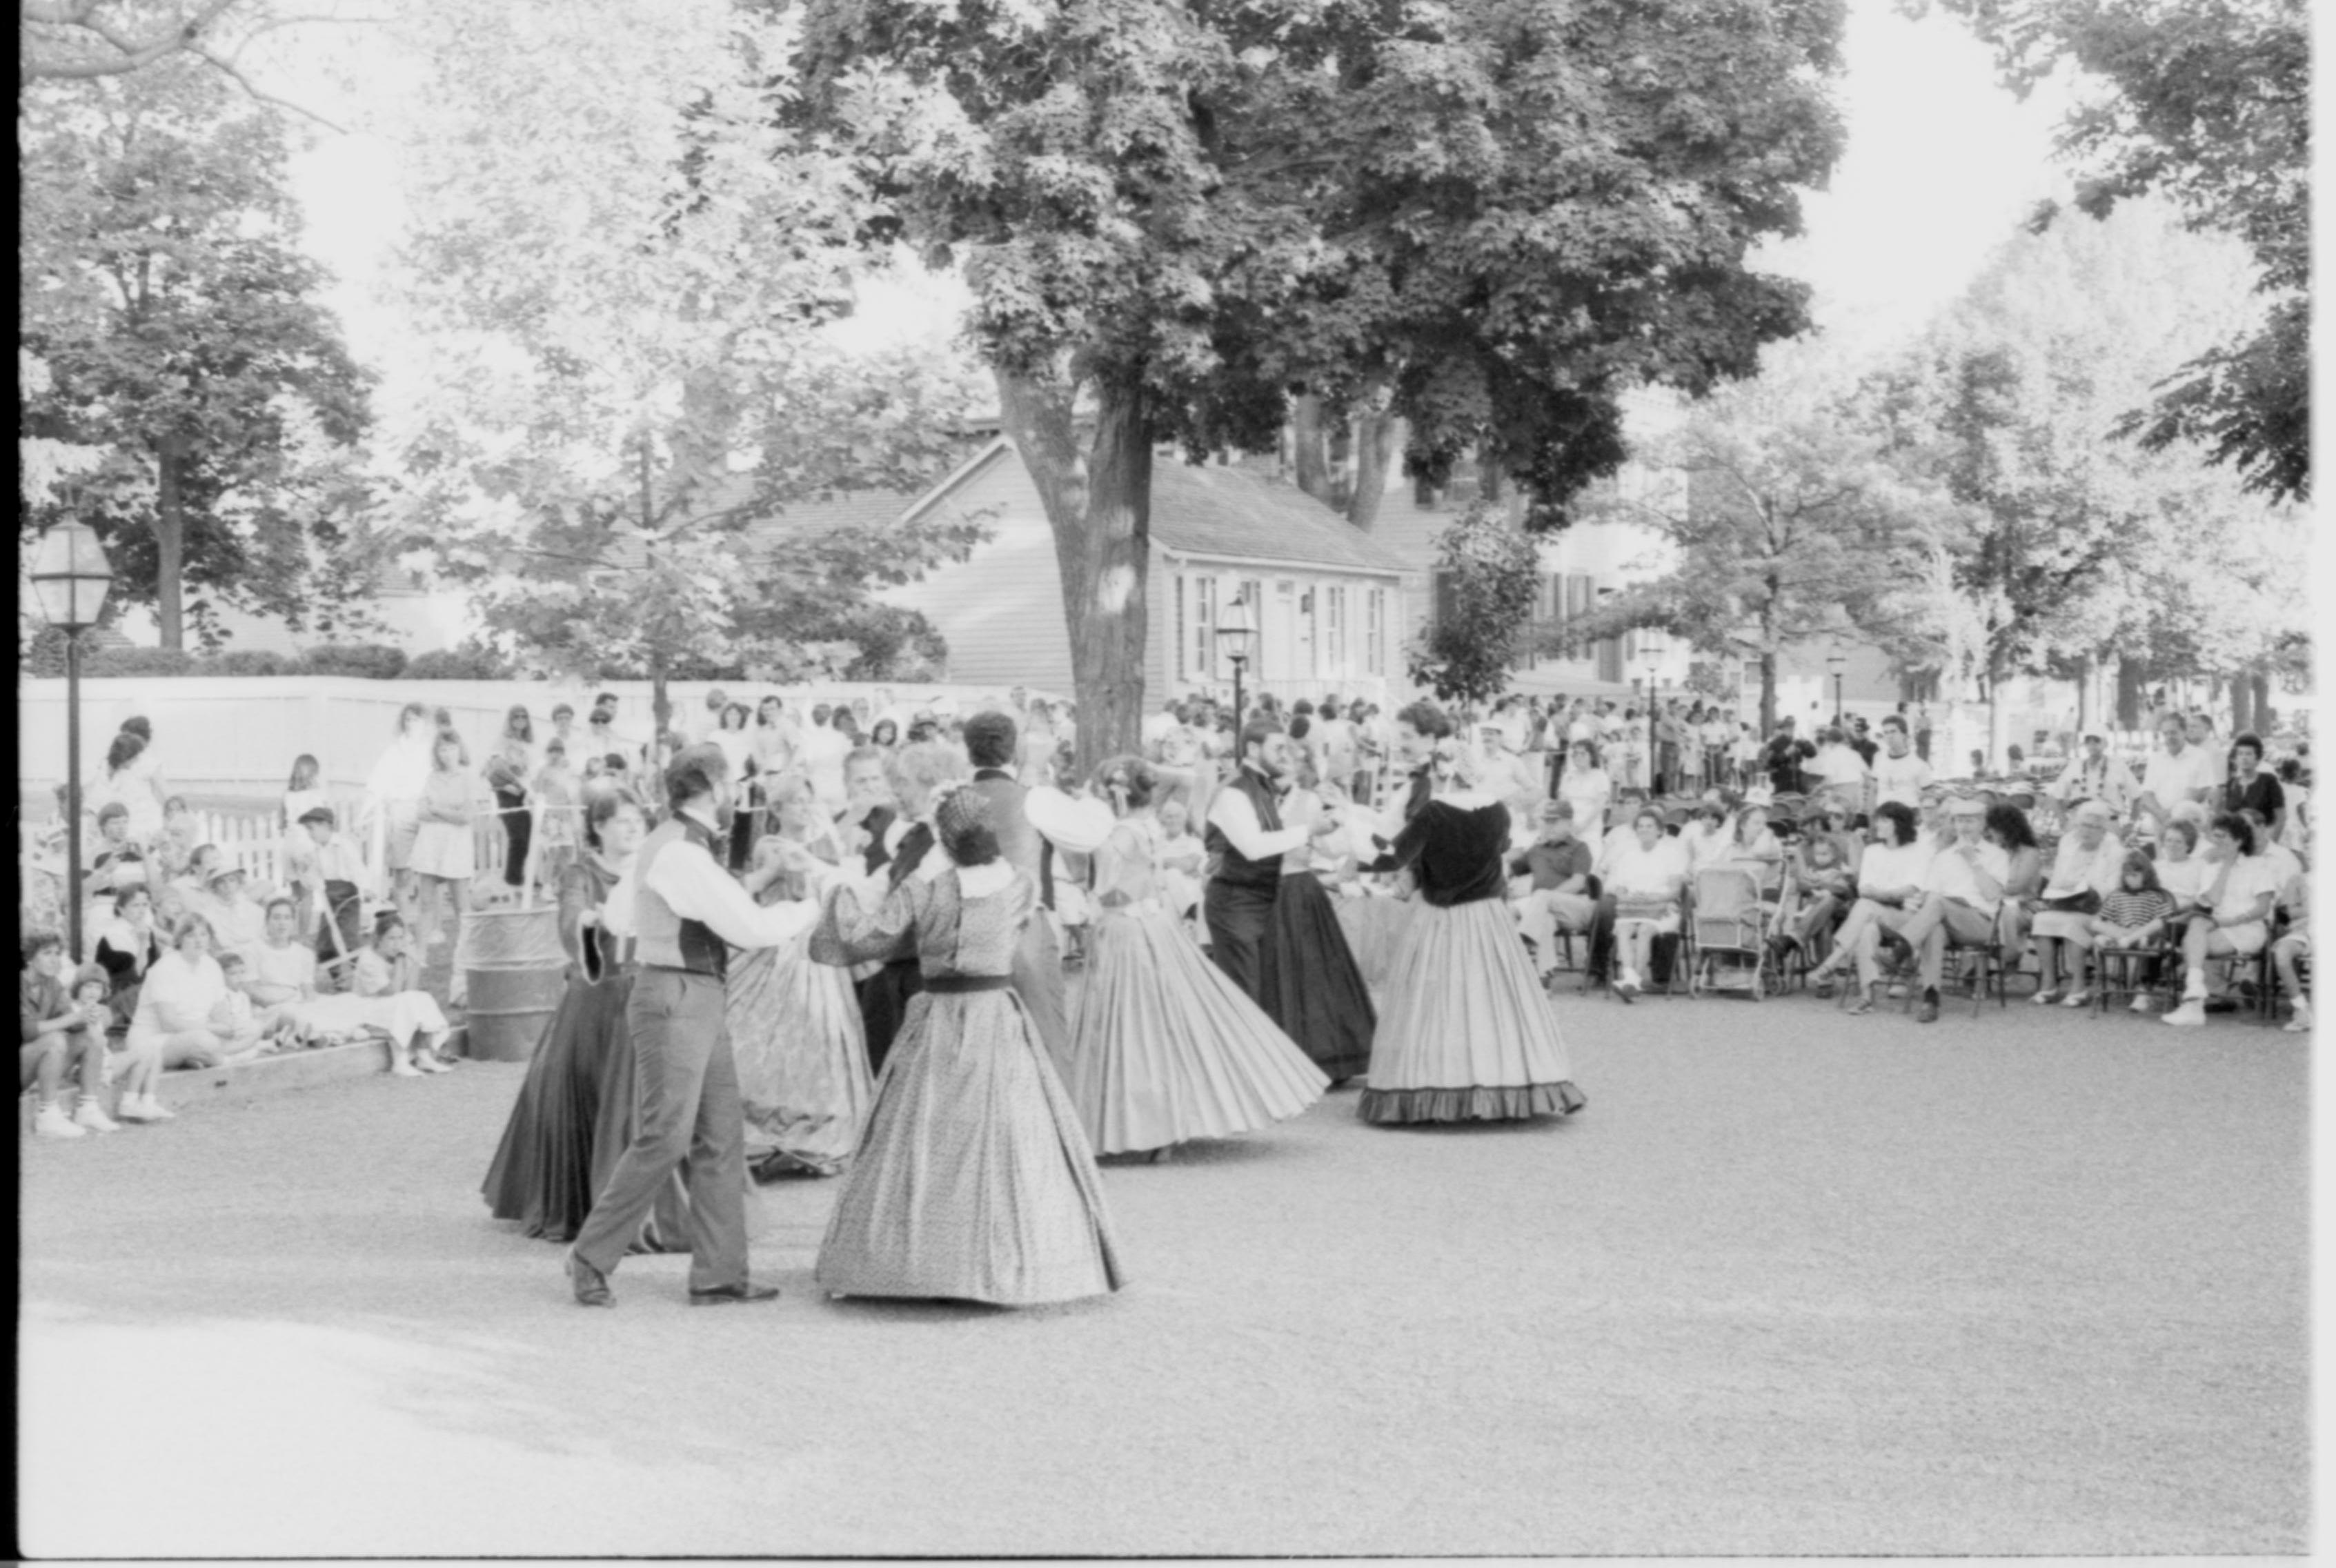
x=1708, y=836
x=2181, y=870
x=2241, y=885
x=1890, y=880
x=1589, y=788
x=1644, y=875
x=2090, y=859
x=182, y=990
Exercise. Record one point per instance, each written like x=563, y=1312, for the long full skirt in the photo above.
x=975, y=1182
x=1309, y=984
x=1468, y=1035
x=573, y=1118
x=802, y=1058
x=1166, y=1049
x=1374, y=925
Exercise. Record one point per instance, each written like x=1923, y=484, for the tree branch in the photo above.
x=131, y=54
x=228, y=69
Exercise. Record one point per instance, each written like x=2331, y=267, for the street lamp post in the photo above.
x=70, y=578
x=1238, y=635
x=1650, y=647
x=1836, y=661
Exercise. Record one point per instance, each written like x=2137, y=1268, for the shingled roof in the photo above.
x=1230, y=513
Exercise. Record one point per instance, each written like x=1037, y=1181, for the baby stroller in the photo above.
x=1731, y=930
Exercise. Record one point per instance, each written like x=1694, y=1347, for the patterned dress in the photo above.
x=802, y=1052
x=974, y=1181
x=1165, y=1048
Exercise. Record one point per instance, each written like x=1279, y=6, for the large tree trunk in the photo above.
x=1767, y=692
x=2267, y=716
x=2243, y=703
x=1309, y=456
x=1377, y=438
x=1099, y=505
x=169, y=542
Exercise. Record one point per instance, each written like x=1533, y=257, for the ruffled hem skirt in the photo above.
x=573, y=1118
x=1468, y=1035
x=802, y=1058
x=443, y=850
x=1309, y=984
x=1166, y=1049
x=975, y=1182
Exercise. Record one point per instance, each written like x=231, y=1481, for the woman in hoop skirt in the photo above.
x=795, y=1025
x=974, y=1181
x=1165, y=1048
x=1307, y=974
x=1468, y=1035
x=574, y=1115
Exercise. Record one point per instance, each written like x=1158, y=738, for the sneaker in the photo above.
x=50, y=1121
x=143, y=1108
x=399, y=1067
x=428, y=1063
x=2141, y=1004
x=2301, y=1024
x=2077, y=999
x=2045, y=999
x=2190, y=1015
x=91, y=1115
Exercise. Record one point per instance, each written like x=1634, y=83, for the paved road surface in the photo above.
x=2032, y=1285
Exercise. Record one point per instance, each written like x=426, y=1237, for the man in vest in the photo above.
x=991, y=745
x=1246, y=842
x=685, y=912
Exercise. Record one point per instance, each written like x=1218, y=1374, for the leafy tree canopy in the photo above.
x=206, y=408
x=621, y=265
x=2207, y=103
x=1491, y=573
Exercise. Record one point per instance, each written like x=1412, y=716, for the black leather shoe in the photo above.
x=732, y=1295
x=1928, y=1013
x=591, y=1285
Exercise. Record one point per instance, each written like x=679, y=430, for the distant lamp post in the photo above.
x=1652, y=647
x=70, y=578
x=1237, y=636
x=1835, y=661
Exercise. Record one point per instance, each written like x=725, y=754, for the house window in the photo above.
x=1204, y=627
x=1447, y=601
x=1375, y=631
x=1184, y=636
x=1334, y=631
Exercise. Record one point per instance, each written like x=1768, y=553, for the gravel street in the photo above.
x=1791, y=1284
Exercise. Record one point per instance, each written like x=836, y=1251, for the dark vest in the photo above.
x=1228, y=865
x=662, y=937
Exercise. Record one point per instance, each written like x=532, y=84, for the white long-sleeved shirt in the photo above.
x=1230, y=814
x=694, y=887
x=1955, y=875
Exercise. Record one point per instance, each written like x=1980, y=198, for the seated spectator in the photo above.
x=2008, y=829
x=236, y=1020
x=2287, y=954
x=1890, y=880
x=281, y=970
x=2295, y=829
x=1708, y=837
x=63, y=1039
x=1754, y=849
x=2242, y=886
x=2285, y=863
x=387, y=980
x=1562, y=895
x=2085, y=870
x=1821, y=885
x=116, y=860
x=2134, y=917
x=2252, y=788
x=1962, y=893
x=127, y=946
x=195, y=870
x=238, y=921
x=1645, y=875
x=172, y=1026
x=174, y=847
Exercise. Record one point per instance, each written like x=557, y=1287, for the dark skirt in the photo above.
x=574, y=1116
x=884, y=1006
x=1309, y=984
